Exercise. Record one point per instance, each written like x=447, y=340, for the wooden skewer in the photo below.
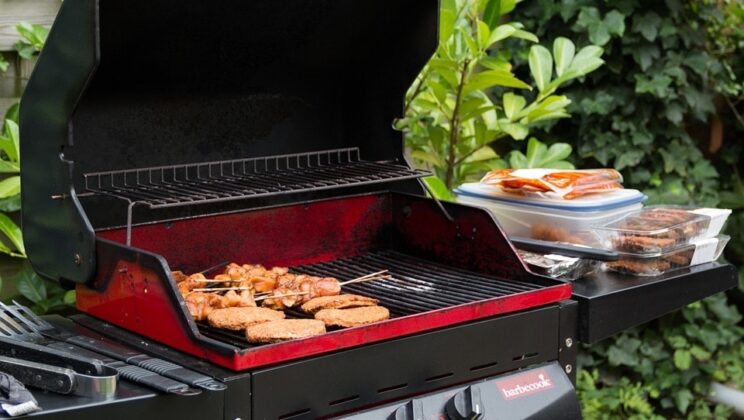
x=216, y=281
x=358, y=279
x=218, y=289
x=256, y=299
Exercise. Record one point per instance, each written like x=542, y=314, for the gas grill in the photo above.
x=260, y=131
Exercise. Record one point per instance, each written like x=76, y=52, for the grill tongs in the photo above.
x=20, y=338
x=55, y=370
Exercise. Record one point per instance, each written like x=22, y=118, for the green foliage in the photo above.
x=463, y=100
x=41, y=295
x=3, y=63
x=10, y=185
x=665, y=370
x=33, y=38
x=541, y=156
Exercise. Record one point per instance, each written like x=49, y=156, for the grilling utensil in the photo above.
x=132, y=366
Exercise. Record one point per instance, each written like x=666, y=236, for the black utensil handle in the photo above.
x=163, y=367
x=39, y=375
x=47, y=355
x=548, y=247
x=153, y=380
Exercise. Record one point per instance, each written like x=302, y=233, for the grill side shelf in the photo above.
x=228, y=180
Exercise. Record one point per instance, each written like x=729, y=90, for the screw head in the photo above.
x=569, y=342
x=569, y=368
x=77, y=259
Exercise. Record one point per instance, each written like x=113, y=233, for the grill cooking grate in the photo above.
x=210, y=182
x=416, y=286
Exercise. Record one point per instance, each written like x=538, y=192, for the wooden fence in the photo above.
x=12, y=12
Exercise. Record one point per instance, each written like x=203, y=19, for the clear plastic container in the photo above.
x=658, y=229
x=699, y=251
x=555, y=183
x=571, y=222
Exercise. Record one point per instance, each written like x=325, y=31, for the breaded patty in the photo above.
x=337, y=302
x=353, y=317
x=239, y=318
x=282, y=330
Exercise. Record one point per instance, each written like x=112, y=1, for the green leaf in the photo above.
x=586, y=60
x=10, y=186
x=427, y=157
x=490, y=78
x=35, y=34
x=9, y=143
x=556, y=152
x=9, y=167
x=615, y=22
x=25, y=50
x=3, y=63
x=682, y=400
x=484, y=153
x=10, y=204
x=512, y=105
x=69, y=297
x=12, y=113
x=682, y=359
x=541, y=66
x=495, y=63
x=437, y=187
x=500, y=33
x=12, y=232
x=528, y=36
x=446, y=25
x=535, y=152
x=563, y=52
x=517, y=160
x=30, y=285
x=492, y=13
x=515, y=130
x=483, y=34
x=647, y=25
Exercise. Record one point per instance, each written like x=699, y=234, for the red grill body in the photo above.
x=133, y=288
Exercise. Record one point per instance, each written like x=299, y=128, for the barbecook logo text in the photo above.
x=526, y=384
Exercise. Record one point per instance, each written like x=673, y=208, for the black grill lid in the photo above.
x=123, y=85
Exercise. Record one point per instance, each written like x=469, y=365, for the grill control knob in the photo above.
x=412, y=410
x=466, y=404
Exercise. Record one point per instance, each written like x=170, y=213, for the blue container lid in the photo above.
x=593, y=202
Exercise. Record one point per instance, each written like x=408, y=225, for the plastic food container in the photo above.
x=653, y=264
x=551, y=220
x=661, y=228
x=555, y=183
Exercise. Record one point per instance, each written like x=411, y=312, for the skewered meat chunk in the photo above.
x=238, y=319
x=352, y=317
x=282, y=330
x=337, y=302
x=200, y=305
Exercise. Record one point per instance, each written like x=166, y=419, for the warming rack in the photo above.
x=229, y=180
x=416, y=286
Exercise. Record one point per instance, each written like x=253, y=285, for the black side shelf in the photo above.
x=610, y=303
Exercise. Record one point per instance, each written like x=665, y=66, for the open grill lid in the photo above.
x=125, y=85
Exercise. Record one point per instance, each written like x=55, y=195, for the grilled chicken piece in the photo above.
x=352, y=317
x=200, y=305
x=282, y=330
x=238, y=319
x=244, y=298
x=337, y=302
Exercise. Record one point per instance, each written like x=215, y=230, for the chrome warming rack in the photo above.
x=228, y=180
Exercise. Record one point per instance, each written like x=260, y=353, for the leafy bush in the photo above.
x=666, y=110
x=462, y=101
x=40, y=294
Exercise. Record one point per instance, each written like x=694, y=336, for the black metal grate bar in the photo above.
x=417, y=285
x=209, y=182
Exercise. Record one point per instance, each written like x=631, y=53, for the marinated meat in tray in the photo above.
x=658, y=229
x=653, y=264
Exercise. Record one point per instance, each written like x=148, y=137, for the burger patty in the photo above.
x=353, y=317
x=284, y=329
x=239, y=318
x=337, y=302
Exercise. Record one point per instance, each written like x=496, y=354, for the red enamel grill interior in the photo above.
x=274, y=147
